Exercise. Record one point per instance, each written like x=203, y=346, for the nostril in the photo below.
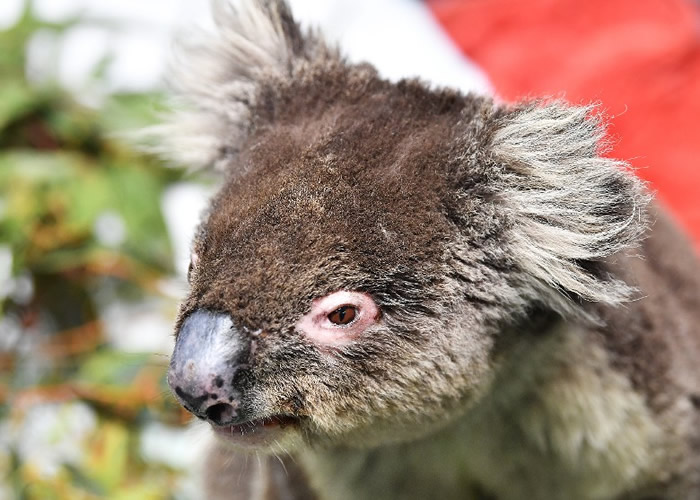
x=190, y=402
x=221, y=413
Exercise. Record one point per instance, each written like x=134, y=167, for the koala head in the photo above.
x=372, y=240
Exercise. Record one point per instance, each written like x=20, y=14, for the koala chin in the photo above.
x=403, y=292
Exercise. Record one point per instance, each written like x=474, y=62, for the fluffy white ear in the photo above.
x=573, y=206
x=216, y=77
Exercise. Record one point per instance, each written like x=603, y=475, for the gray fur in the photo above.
x=573, y=204
x=216, y=77
x=537, y=337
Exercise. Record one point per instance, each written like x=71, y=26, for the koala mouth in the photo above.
x=259, y=426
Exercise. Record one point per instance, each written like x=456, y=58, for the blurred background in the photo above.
x=89, y=279
x=94, y=235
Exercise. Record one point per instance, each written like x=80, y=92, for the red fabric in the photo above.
x=639, y=58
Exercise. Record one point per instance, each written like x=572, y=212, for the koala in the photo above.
x=402, y=292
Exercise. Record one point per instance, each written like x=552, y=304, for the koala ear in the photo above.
x=573, y=207
x=217, y=77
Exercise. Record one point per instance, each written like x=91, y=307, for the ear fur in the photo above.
x=217, y=76
x=573, y=207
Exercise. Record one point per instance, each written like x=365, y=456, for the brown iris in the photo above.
x=343, y=315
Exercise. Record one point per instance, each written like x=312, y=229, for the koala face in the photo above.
x=372, y=240
x=331, y=264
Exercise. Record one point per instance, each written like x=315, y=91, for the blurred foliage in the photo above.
x=80, y=226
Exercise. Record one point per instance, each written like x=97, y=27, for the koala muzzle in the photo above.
x=209, y=359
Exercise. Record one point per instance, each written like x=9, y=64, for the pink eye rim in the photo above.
x=316, y=325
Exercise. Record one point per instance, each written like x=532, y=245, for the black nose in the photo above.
x=208, y=407
x=209, y=354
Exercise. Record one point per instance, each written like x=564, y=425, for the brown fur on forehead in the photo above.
x=345, y=197
x=329, y=84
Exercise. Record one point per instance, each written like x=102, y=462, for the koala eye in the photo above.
x=339, y=317
x=343, y=315
x=194, y=260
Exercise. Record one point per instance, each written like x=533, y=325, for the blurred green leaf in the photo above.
x=17, y=98
x=112, y=367
x=107, y=459
x=80, y=480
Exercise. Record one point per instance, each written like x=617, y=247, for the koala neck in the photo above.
x=556, y=404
